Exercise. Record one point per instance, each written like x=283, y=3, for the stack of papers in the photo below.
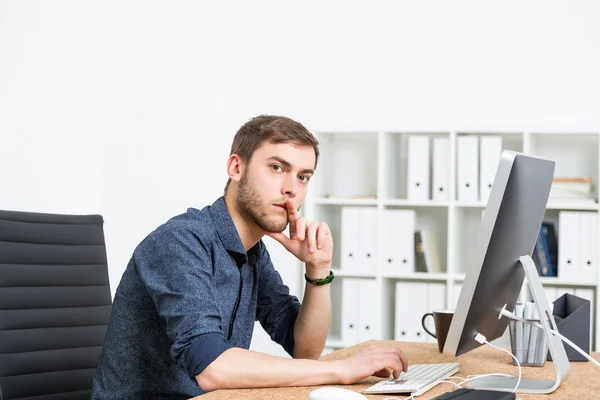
x=571, y=188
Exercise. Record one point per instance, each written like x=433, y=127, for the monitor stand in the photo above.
x=555, y=345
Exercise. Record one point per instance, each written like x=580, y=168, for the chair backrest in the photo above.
x=54, y=304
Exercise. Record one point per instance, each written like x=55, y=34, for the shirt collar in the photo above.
x=230, y=238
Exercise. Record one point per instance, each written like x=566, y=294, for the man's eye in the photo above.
x=304, y=178
x=276, y=167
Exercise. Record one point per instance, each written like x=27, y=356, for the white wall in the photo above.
x=128, y=108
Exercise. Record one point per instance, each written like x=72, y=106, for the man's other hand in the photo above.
x=374, y=361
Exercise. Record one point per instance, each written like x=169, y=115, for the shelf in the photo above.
x=553, y=281
x=462, y=204
x=341, y=178
x=352, y=274
x=345, y=201
x=571, y=205
x=546, y=281
x=416, y=276
x=348, y=201
x=415, y=203
x=575, y=155
x=369, y=170
x=591, y=134
x=552, y=205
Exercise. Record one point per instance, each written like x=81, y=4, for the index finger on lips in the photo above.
x=301, y=228
x=292, y=212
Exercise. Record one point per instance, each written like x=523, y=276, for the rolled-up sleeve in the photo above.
x=277, y=309
x=176, y=269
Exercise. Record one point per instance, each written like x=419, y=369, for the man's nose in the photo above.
x=290, y=188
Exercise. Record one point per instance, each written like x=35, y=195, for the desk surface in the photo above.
x=582, y=382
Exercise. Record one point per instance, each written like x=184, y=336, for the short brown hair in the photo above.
x=271, y=128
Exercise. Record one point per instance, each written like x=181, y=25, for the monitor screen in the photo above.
x=508, y=230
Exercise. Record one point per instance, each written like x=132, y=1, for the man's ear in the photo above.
x=235, y=167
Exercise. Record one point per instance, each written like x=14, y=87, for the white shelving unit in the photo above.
x=369, y=169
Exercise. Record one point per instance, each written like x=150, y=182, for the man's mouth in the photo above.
x=282, y=206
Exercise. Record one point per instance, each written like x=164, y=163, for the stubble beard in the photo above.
x=251, y=205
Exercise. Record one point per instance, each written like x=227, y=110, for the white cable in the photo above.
x=456, y=385
x=471, y=377
x=459, y=385
x=430, y=386
x=456, y=377
x=434, y=384
x=537, y=325
x=481, y=339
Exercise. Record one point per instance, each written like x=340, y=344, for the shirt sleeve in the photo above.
x=277, y=310
x=177, y=270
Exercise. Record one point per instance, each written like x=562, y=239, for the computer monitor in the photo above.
x=502, y=259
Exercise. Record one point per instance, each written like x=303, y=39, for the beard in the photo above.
x=252, y=208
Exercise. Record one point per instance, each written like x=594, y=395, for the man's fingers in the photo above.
x=291, y=210
x=311, y=235
x=398, y=368
x=403, y=359
x=392, y=361
x=395, y=351
x=382, y=373
x=321, y=233
x=300, y=228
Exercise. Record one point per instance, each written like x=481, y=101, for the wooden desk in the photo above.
x=583, y=382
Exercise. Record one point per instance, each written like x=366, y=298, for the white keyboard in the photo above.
x=417, y=380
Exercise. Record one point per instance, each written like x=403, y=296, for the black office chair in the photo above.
x=54, y=304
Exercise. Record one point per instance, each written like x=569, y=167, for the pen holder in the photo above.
x=528, y=343
x=572, y=315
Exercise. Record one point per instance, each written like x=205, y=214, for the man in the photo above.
x=184, y=311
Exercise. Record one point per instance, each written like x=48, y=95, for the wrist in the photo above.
x=320, y=282
x=318, y=271
x=338, y=373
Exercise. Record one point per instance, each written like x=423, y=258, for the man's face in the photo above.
x=275, y=173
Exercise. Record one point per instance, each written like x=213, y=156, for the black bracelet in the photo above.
x=320, y=282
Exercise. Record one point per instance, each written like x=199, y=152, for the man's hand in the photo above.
x=310, y=242
x=374, y=361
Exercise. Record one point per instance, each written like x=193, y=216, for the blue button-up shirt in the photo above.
x=189, y=293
